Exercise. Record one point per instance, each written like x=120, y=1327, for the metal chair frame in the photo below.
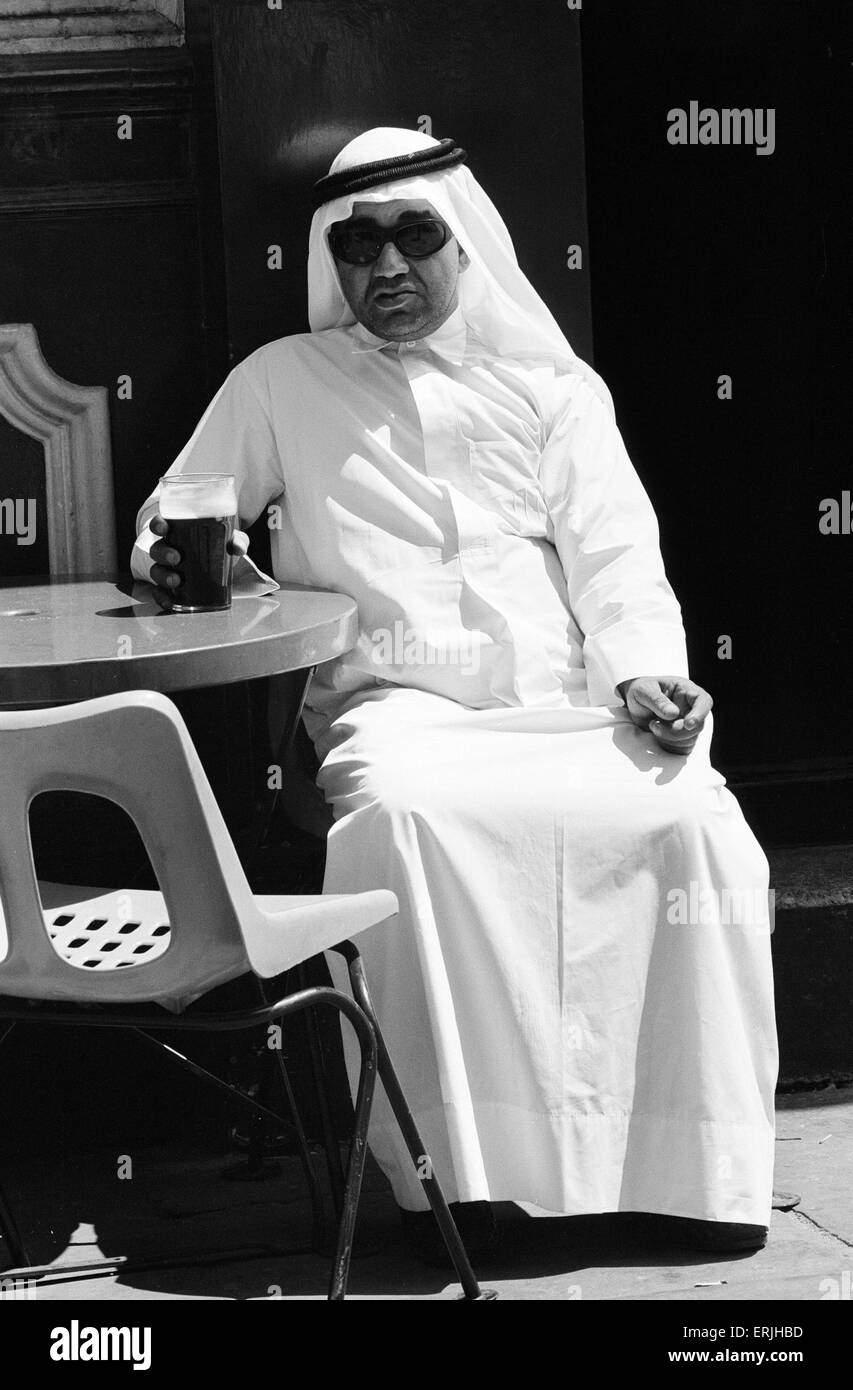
x=375, y=1059
x=79, y=1005
x=143, y=1023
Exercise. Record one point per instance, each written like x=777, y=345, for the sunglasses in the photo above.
x=362, y=243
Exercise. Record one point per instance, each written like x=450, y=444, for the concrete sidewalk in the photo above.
x=179, y=1200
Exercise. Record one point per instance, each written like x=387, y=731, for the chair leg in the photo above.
x=8, y=1226
x=318, y=1214
x=330, y=1138
x=366, y=1035
x=259, y=1123
x=470, y=1287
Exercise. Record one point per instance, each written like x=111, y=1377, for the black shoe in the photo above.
x=475, y=1223
x=718, y=1235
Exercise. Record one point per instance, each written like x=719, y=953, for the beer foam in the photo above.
x=215, y=501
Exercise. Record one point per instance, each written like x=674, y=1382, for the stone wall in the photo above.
x=62, y=26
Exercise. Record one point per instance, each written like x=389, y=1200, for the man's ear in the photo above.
x=464, y=258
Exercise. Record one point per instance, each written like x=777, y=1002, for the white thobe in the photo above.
x=564, y=1037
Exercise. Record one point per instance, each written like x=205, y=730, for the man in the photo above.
x=513, y=746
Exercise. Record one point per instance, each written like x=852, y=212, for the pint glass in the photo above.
x=201, y=509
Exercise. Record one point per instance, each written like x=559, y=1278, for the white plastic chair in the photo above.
x=76, y=946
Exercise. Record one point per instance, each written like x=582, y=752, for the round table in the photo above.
x=68, y=638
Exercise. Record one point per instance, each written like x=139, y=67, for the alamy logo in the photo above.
x=18, y=518
x=76, y=1343
x=695, y=906
x=837, y=519
x=728, y=126
x=11, y=1288
x=404, y=646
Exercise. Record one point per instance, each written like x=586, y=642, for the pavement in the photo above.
x=191, y=1200
x=812, y=952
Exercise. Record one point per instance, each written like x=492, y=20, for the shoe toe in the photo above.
x=719, y=1235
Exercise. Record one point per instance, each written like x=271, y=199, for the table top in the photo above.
x=74, y=637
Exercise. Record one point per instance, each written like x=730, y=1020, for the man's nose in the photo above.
x=391, y=261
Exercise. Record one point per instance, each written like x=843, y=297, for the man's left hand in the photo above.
x=672, y=708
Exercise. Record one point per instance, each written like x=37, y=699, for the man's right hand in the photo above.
x=165, y=572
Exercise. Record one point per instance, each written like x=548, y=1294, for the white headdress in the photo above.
x=498, y=302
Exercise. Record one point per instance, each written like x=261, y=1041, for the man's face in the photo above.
x=398, y=298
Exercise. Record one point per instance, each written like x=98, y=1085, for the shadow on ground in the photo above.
x=183, y=1205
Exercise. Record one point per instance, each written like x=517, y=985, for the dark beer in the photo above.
x=201, y=511
x=204, y=543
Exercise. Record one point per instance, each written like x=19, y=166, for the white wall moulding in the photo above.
x=66, y=26
x=72, y=423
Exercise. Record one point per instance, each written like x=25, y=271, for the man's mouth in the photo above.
x=392, y=297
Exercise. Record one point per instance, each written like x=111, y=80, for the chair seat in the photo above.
x=98, y=929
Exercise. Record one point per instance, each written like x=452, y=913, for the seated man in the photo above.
x=513, y=746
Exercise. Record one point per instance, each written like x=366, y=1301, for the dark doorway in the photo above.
x=295, y=84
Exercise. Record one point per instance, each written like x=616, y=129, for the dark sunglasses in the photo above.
x=362, y=243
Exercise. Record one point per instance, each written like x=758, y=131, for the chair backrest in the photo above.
x=72, y=424
x=133, y=748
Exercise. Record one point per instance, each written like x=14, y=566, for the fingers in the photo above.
x=695, y=704
x=673, y=740
x=163, y=553
x=701, y=708
x=672, y=708
x=682, y=734
x=162, y=598
x=662, y=706
x=649, y=695
x=164, y=573
x=239, y=543
x=165, y=577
